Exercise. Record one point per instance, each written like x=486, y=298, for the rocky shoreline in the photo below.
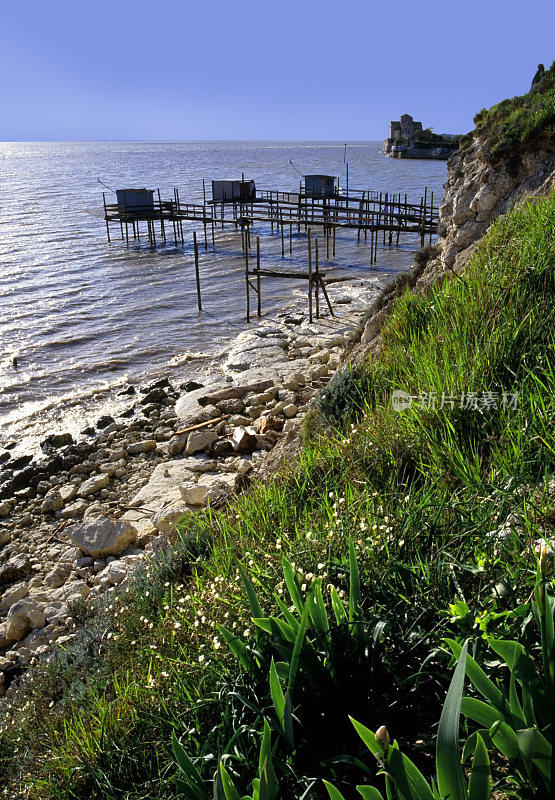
x=76, y=522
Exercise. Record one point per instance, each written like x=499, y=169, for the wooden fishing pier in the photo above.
x=318, y=205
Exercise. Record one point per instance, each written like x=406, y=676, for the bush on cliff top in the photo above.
x=520, y=121
x=442, y=502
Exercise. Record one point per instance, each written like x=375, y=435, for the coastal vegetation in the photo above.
x=402, y=550
x=519, y=122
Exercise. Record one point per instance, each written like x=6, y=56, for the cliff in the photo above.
x=509, y=155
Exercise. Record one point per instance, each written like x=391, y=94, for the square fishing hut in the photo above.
x=319, y=186
x=233, y=191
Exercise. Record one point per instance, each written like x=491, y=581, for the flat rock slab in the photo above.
x=233, y=392
x=188, y=407
x=93, y=485
x=100, y=536
x=163, y=484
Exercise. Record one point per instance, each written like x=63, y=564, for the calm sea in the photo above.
x=83, y=316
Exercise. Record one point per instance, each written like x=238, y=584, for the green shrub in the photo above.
x=344, y=396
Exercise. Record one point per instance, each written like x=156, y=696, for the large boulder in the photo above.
x=55, y=440
x=199, y=440
x=100, y=536
x=167, y=518
x=244, y=439
x=23, y=616
x=162, y=486
x=93, y=485
x=15, y=568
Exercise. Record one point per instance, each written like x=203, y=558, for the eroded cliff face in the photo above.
x=476, y=193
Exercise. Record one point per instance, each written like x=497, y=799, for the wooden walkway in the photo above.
x=374, y=216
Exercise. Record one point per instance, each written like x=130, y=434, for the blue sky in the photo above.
x=292, y=69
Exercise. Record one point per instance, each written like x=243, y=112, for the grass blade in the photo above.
x=479, y=786
x=450, y=778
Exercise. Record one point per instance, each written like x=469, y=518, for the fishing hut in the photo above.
x=135, y=201
x=319, y=186
x=233, y=191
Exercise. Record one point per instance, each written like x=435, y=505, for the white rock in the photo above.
x=113, y=574
x=5, y=507
x=193, y=494
x=243, y=465
x=199, y=440
x=176, y=445
x=167, y=518
x=290, y=410
x=12, y=595
x=100, y=536
x=71, y=591
x=141, y=447
x=74, y=510
x=162, y=486
x=93, y=485
x=22, y=616
x=57, y=576
x=52, y=501
x=68, y=492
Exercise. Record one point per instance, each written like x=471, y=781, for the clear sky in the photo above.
x=250, y=69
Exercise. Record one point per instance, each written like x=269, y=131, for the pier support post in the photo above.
x=309, y=275
x=317, y=279
x=197, y=275
x=258, y=298
x=247, y=283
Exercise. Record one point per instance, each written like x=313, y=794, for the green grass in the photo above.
x=520, y=122
x=421, y=494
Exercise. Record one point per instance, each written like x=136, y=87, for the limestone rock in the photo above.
x=71, y=591
x=74, y=510
x=14, y=569
x=52, y=502
x=5, y=508
x=57, y=576
x=162, y=486
x=199, y=440
x=167, y=518
x=93, y=485
x=244, y=439
x=23, y=616
x=290, y=410
x=67, y=492
x=233, y=392
x=193, y=494
x=12, y=595
x=141, y=447
x=232, y=406
x=268, y=423
x=100, y=536
x=56, y=440
x=176, y=445
x=112, y=574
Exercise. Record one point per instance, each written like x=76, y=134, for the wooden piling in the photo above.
x=197, y=275
x=247, y=283
x=309, y=275
x=317, y=279
x=106, y=216
x=258, y=298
